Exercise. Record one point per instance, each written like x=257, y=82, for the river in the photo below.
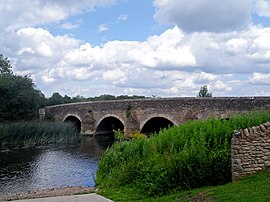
x=52, y=166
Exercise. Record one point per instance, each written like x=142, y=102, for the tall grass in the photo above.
x=194, y=154
x=35, y=133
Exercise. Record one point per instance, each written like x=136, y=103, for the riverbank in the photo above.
x=251, y=188
x=65, y=191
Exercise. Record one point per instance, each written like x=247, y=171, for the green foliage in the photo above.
x=251, y=188
x=204, y=92
x=19, y=100
x=128, y=110
x=194, y=154
x=36, y=133
x=119, y=135
x=137, y=135
x=57, y=98
x=5, y=65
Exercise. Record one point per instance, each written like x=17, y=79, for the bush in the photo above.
x=191, y=155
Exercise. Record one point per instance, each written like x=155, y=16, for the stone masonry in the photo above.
x=134, y=114
x=250, y=150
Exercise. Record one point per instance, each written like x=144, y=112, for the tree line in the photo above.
x=57, y=98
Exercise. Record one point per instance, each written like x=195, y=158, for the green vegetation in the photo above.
x=36, y=133
x=251, y=188
x=192, y=155
x=119, y=135
x=19, y=100
x=5, y=65
x=56, y=99
x=204, y=92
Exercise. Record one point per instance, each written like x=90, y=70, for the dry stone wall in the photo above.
x=250, y=150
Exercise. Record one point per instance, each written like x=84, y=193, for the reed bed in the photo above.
x=26, y=134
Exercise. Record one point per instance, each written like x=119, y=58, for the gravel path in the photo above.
x=74, y=198
x=66, y=191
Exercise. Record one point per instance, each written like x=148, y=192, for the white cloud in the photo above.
x=123, y=17
x=116, y=76
x=204, y=15
x=70, y=25
x=262, y=42
x=220, y=86
x=204, y=78
x=37, y=49
x=237, y=45
x=259, y=79
x=17, y=14
x=158, y=51
x=103, y=27
x=262, y=7
x=170, y=64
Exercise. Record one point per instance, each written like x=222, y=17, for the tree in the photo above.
x=55, y=99
x=204, y=92
x=19, y=100
x=5, y=65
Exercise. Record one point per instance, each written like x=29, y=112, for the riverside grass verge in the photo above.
x=183, y=157
x=251, y=188
x=34, y=133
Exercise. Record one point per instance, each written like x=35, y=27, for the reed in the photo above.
x=25, y=134
x=191, y=155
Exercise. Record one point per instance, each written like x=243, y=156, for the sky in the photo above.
x=163, y=48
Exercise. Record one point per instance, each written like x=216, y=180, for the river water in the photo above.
x=50, y=167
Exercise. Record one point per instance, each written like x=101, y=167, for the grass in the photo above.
x=26, y=134
x=185, y=157
x=252, y=188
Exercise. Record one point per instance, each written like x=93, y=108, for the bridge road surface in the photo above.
x=73, y=198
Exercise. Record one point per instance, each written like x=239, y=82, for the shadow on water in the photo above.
x=52, y=166
x=105, y=140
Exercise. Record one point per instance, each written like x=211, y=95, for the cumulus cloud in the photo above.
x=173, y=63
x=262, y=7
x=17, y=14
x=204, y=15
x=259, y=78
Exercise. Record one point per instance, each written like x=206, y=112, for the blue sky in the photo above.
x=125, y=20
x=155, y=47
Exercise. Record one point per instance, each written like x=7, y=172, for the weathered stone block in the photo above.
x=267, y=163
x=246, y=132
x=237, y=168
x=263, y=129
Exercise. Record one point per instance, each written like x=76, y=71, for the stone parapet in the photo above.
x=250, y=150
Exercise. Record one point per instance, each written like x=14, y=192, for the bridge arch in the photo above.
x=154, y=124
x=75, y=120
x=108, y=124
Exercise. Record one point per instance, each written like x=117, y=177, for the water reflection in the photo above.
x=33, y=169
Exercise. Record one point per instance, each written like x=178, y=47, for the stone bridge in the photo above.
x=148, y=115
